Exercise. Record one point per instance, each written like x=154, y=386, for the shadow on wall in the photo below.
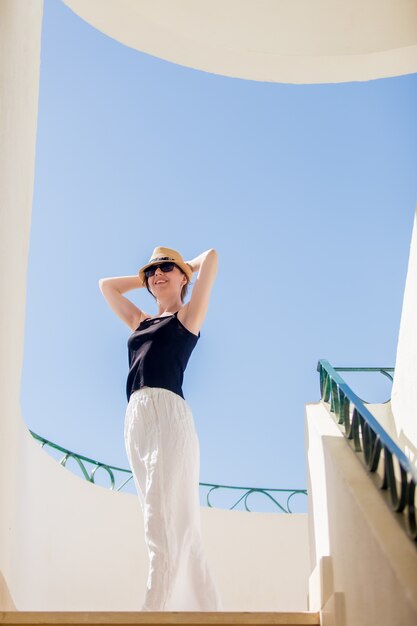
x=6, y=601
x=384, y=414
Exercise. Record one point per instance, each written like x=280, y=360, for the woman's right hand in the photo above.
x=112, y=290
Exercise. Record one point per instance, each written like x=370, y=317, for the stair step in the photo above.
x=144, y=618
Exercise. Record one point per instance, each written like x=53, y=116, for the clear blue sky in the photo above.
x=307, y=192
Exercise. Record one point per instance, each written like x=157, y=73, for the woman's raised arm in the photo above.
x=206, y=264
x=112, y=289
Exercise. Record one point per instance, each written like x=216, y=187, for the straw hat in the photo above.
x=161, y=254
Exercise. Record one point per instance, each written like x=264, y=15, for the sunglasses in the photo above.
x=167, y=266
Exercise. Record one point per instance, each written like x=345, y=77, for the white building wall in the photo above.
x=364, y=564
x=290, y=41
x=80, y=547
x=20, y=31
x=404, y=389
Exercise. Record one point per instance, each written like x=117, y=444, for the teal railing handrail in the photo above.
x=385, y=371
x=382, y=370
x=79, y=458
x=399, y=476
x=112, y=470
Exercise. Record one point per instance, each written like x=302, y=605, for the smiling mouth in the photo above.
x=160, y=281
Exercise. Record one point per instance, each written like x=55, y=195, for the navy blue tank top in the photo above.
x=159, y=350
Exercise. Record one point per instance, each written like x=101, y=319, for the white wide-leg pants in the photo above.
x=164, y=454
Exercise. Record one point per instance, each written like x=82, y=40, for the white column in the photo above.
x=404, y=391
x=20, y=34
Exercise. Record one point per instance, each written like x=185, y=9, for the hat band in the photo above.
x=162, y=258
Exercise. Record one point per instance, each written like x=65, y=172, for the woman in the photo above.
x=161, y=441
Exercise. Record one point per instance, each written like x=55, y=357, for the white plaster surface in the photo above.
x=404, y=389
x=20, y=30
x=292, y=41
x=78, y=546
x=315, y=428
x=370, y=563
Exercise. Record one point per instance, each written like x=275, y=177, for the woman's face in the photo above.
x=162, y=283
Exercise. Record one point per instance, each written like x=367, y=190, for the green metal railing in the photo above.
x=385, y=371
x=390, y=468
x=81, y=460
x=126, y=475
x=284, y=507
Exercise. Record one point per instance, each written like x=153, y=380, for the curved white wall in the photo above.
x=291, y=41
x=79, y=546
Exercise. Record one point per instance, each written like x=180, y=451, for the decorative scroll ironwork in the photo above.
x=81, y=462
x=288, y=494
x=390, y=468
x=111, y=470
